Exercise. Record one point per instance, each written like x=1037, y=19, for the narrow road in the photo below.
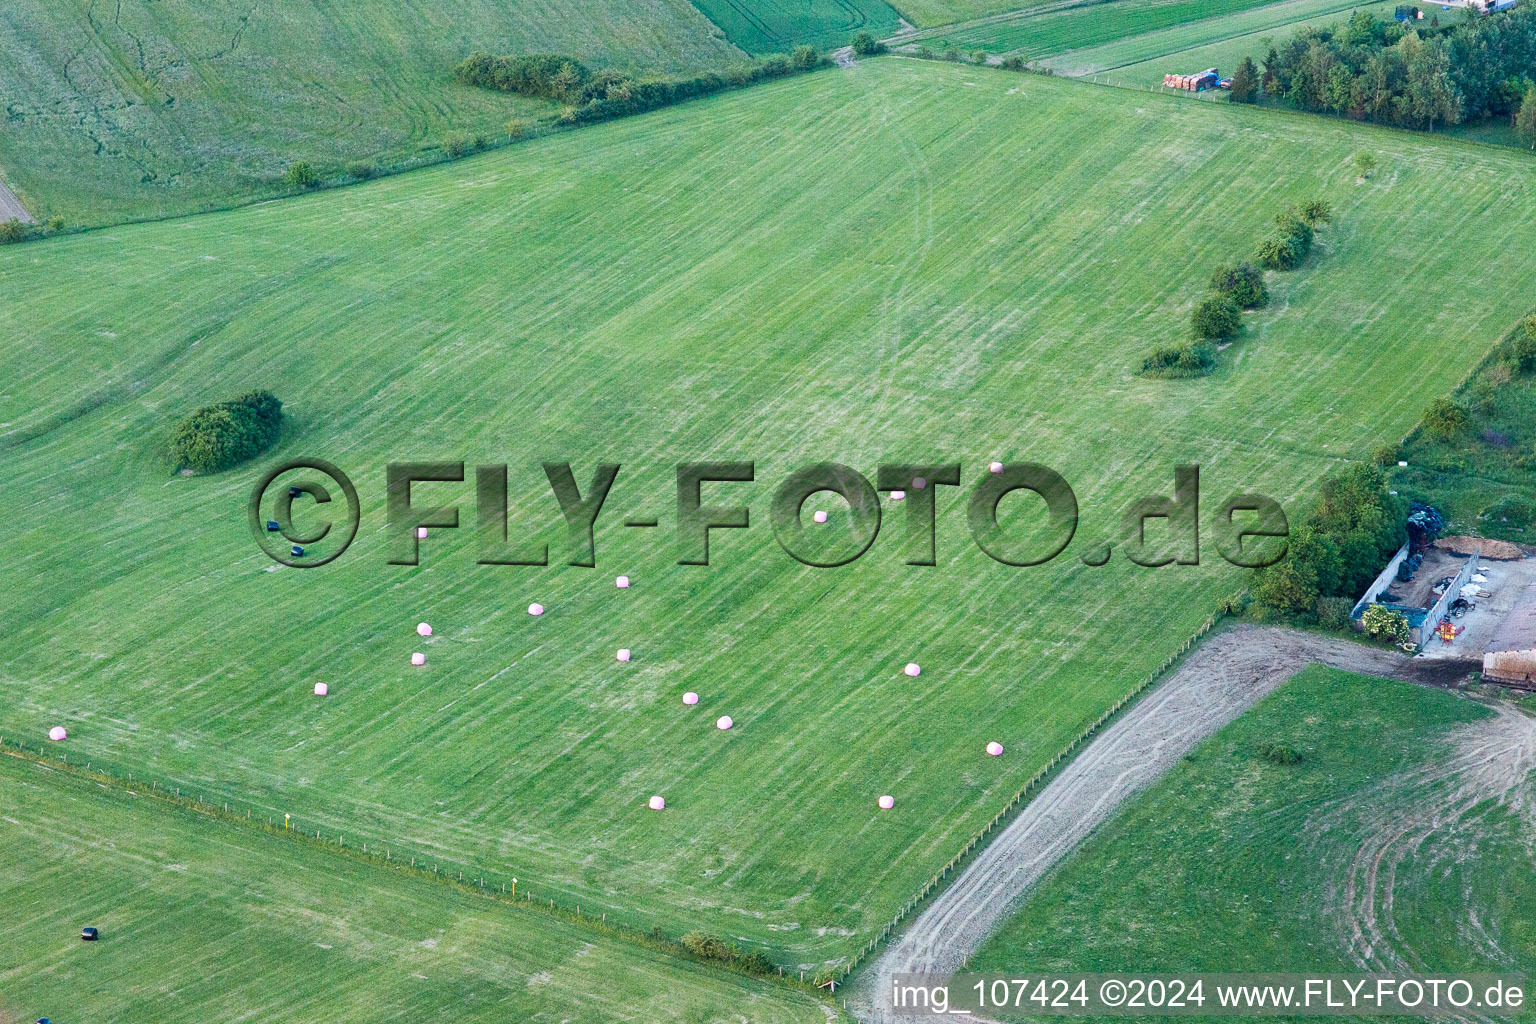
x=11, y=208
x=1220, y=680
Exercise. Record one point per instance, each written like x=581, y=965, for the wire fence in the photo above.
x=1035, y=782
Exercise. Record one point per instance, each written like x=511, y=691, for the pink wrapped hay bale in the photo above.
x=995, y=748
x=913, y=669
x=820, y=516
x=535, y=609
x=690, y=698
x=724, y=722
x=886, y=802
x=418, y=658
x=623, y=654
x=321, y=689
x=658, y=803
x=58, y=734
x=422, y=629
x=622, y=582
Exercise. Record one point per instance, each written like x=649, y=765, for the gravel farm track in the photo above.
x=11, y=208
x=1220, y=679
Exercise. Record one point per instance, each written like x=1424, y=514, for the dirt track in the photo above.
x=11, y=208
x=1220, y=680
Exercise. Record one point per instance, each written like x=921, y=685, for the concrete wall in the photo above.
x=1438, y=610
x=1382, y=582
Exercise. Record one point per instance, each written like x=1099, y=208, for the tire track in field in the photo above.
x=1424, y=815
x=1220, y=680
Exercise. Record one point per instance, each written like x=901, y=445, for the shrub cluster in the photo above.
x=589, y=96
x=1446, y=419
x=711, y=947
x=1217, y=318
x=1382, y=623
x=1523, y=352
x=1191, y=359
x=1243, y=283
x=217, y=437
x=1347, y=536
x=301, y=175
x=1279, y=752
x=13, y=230
x=866, y=45
x=1295, y=229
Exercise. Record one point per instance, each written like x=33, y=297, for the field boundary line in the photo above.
x=1036, y=782
x=475, y=883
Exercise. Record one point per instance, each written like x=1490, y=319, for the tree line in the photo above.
x=1405, y=74
x=589, y=95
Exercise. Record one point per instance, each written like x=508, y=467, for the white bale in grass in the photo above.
x=321, y=689
x=995, y=748
x=996, y=467
x=724, y=722
x=418, y=658
x=623, y=654
x=58, y=734
x=1401, y=464
x=898, y=495
x=422, y=629
x=421, y=533
x=918, y=483
x=913, y=669
x=886, y=802
x=819, y=515
x=535, y=609
x=690, y=698
x=622, y=582
x=658, y=803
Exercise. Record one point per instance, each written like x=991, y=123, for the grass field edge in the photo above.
x=495, y=892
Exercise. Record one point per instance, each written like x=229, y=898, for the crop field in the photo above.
x=929, y=13
x=204, y=920
x=776, y=26
x=1220, y=42
x=1402, y=842
x=154, y=107
x=904, y=261
x=1049, y=30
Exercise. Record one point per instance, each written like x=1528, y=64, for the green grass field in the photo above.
x=1232, y=863
x=1051, y=31
x=906, y=260
x=150, y=108
x=203, y=920
x=776, y=26
x=1220, y=42
x=929, y=13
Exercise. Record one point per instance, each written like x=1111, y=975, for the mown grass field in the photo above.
x=203, y=920
x=1220, y=42
x=1382, y=851
x=903, y=261
x=142, y=108
x=1052, y=30
x=777, y=26
x=929, y=13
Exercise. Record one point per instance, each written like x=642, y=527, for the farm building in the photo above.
x=1511, y=655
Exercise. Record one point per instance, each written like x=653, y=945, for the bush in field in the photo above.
x=518, y=128
x=1216, y=318
x=217, y=437
x=1384, y=455
x=709, y=947
x=457, y=145
x=1333, y=612
x=1446, y=419
x=978, y=56
x=1193, y=359
x=1364, y=163
x=1278, y=752
x=55, y=225
x=1316, y=211
x=12, y=231
x=360, y=170
x=1382, y=623
x=1278, y=253
x=1243, y=283
x=866, y=45
x=1014, y=63
x=804, y=57
x=301, y=175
